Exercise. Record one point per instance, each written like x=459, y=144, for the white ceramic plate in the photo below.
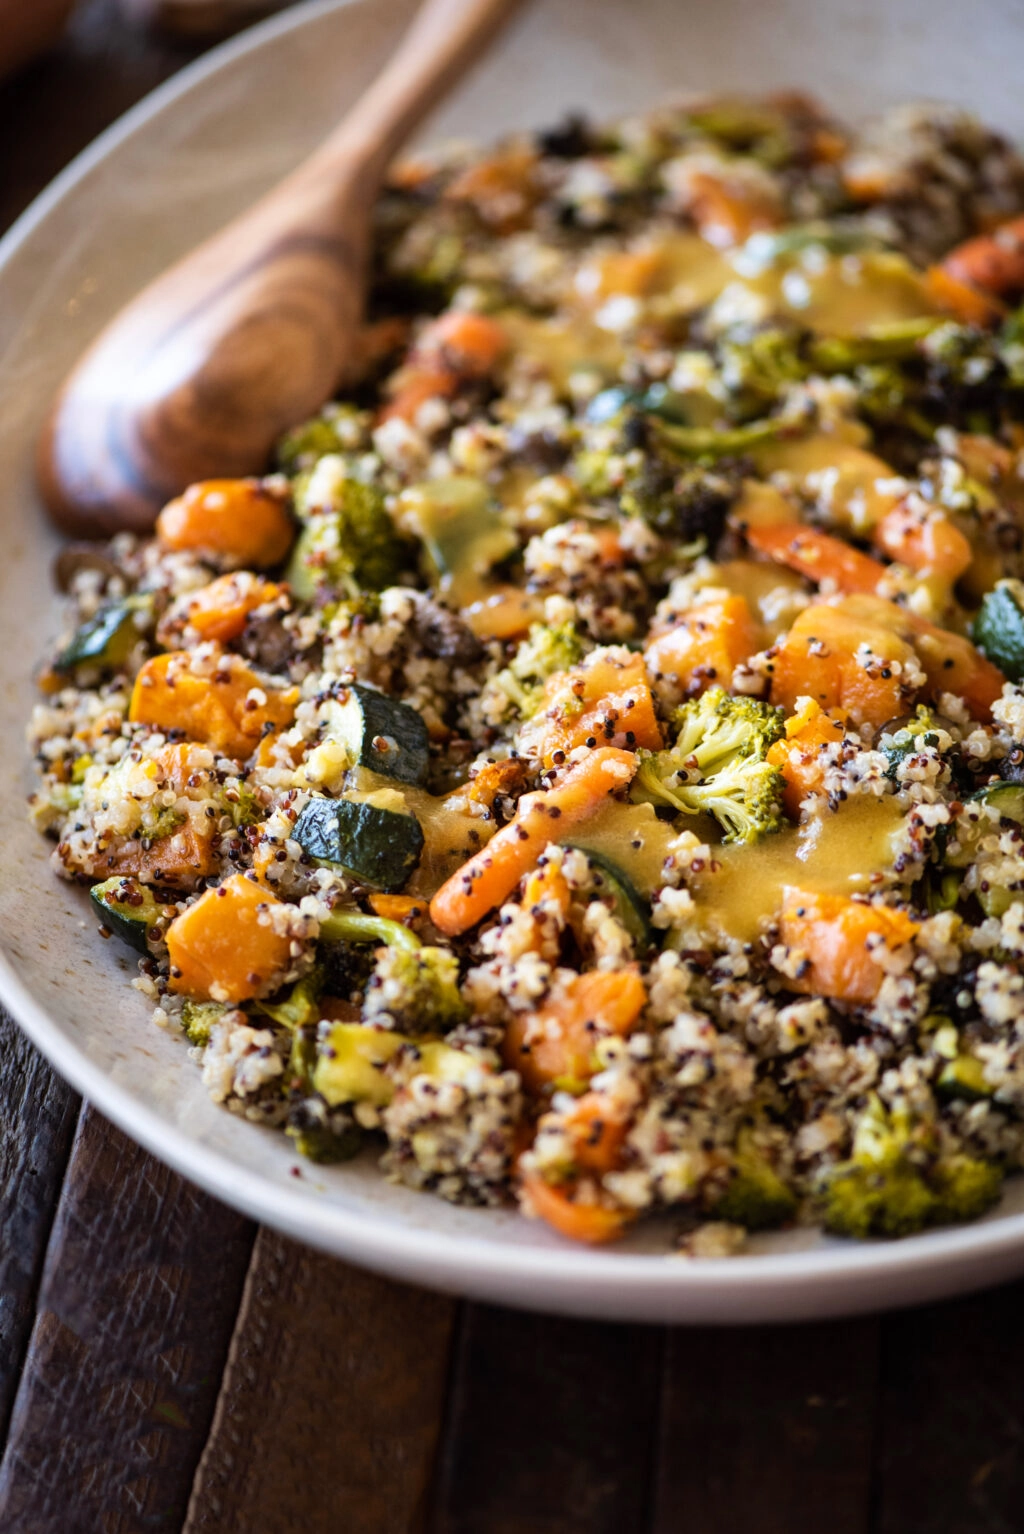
x=194, y=153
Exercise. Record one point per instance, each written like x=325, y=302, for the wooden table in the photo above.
x=165, y=1365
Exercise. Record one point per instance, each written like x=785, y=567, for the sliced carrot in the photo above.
x=224, y=947
x=555, y=1044
x=993, y=262
x=397, y=907
x=706, y=645
x=593, y=1224
x=842, y=658
x=836, y=936
x=605, y=702
x=817, y=555
x=471, y=344
x=924, y=538
x=965, y=303
x=230, y=710
x=493, y=873
x=799, y=756
x=236, y=521
x=413, y=386
x=221, y=610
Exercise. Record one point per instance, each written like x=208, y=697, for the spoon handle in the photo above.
x=201, y=373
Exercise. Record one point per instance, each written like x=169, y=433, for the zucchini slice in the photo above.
x=1007, y=798
x=380, y=733
x=998, y=628
x=628, y=905
x=106, y=639
x=128, y=909
x=377, y=844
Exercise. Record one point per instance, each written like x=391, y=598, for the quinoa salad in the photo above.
x=587, y=771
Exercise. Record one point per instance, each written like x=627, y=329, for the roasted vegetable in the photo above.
x=379, y=732
x=611, y=882
x=349, y=543
x=376, y=841
x=998, y=629
x=129, y=910
x=106, y=640
x=756, y=1195
x=236, y=523
x=899, y=1179
x=717, y=766
x=226, y=947
x=415, y=991
x=547, y=650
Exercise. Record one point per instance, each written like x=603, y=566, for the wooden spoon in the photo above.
x=201, y=373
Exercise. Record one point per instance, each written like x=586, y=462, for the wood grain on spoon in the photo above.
x=201, y=373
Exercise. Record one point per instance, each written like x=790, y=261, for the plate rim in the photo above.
x=646, y=1286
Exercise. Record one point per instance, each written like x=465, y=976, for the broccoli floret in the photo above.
x=547, y=650
x=756, y=1196
x=335, y=429
x=908, y=737
x=349, y=543
x=415, y=992
x=717, y=766
x=198, y=1018
x=898, y=1180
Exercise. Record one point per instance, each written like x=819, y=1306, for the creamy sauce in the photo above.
x=560, y=347
x=835, y=855
x=859, y=489
x=843, y=295
x=450, y=834
x=632, y=837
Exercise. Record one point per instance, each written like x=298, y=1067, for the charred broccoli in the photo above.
x=756, y=1196
x=349, y=543
x=899, y=1179
x=335, y=429
x=415, y=992
x=547, y=650
x=717, y=766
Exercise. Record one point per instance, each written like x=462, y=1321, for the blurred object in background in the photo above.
x=205, y=19
x=27, y=27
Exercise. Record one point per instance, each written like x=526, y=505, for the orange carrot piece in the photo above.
x=993, y=262
x=555, y=1044
x=236, y=521
x=705, y=646
x=817, y=555
x=593, y=1224
x=397, y=907
x=216, y=709
x=598, y=1132
x=799, y=755
x=607, y=701
x=493, y=873
x=924, y=538
x=221, y=949
x=471, y=344
x=221, y=610
x=965, y=303
x=836, y=935
x=414, y=386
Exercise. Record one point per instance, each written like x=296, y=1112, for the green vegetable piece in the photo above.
x=415, y=991
x=326, y=1146
x=1007, y=798
x=628, y=905
x=840, y=239
x=717, y=766
x=353, y=1060
x=756, y=1196
x=903, y=739
x=300, y=1007
x=462, y=531
x=105, y=640
x=198, y=1018
x=377, y=846
x=998, y=628
x=710, y=442
x=354, y=927
x=332, y=431
x=547, y=650
x=897, y=1182
x=899, y=341
x=128, y=909
x=964, y=1077
x=381, y=733
x=349, y=543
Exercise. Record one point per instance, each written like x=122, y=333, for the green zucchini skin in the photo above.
x=366, y=717
x=106, y=639
x=998, y=628
x=378, y=847
x=128, y=909
x=1007, y=798
x=631, y=908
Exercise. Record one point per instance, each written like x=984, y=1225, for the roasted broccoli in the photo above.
x=415, y=992
x=899, y=1179
x=756, y=1196
x=547, y=650
x=198, y=1018
x=335, y=429
x=349, y=543
x=903, y=737
x=717, y=766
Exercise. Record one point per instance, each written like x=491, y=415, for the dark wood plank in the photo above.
x=329, y=1412
x=768, y=1430
x=951, y=1418
x=138, y=1299
x=551, y=1427
x=37, y=1122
